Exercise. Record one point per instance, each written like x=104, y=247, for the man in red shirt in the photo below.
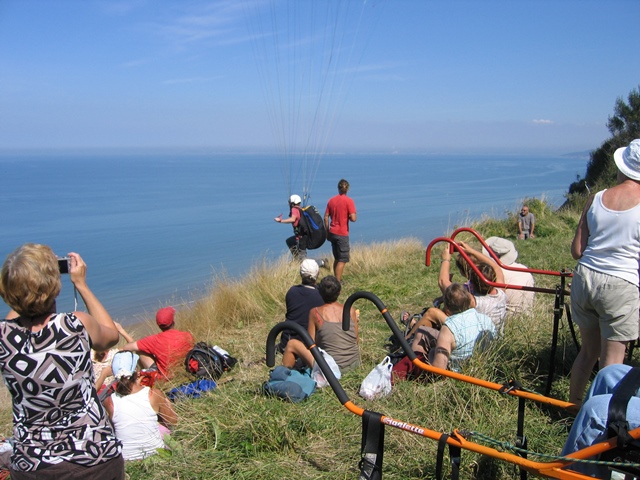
x=165, y=349
x=340, y=211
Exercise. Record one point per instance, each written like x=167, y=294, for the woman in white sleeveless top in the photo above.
x=138, y=413
x=604, y=289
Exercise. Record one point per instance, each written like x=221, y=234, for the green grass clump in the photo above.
x=235, y=432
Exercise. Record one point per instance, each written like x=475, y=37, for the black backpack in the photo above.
x=311, y=228
x=204, y=361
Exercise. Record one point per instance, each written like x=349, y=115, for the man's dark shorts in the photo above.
x=340, y=247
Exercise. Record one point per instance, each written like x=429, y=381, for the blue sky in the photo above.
x=431, y=75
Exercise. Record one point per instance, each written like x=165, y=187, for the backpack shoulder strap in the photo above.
x=617, y=424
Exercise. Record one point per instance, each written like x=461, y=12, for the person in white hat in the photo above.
x=604, y=289
x=518, y=301
x=293, y=242
x=300, y=299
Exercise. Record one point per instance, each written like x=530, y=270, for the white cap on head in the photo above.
x=295, y=199
x=628, y=160
x=124, y=364
x=503, y=248
x=309, y=268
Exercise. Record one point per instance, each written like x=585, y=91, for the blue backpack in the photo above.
x=289, y=384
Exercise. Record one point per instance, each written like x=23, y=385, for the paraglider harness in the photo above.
x=311, y=232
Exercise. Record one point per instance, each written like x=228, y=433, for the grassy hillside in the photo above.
x=237, y=433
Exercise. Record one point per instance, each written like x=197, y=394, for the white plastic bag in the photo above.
x=377, y=383
x=317, y=374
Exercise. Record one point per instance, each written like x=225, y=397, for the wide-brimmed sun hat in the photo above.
x=628, y=160
x=503, y=248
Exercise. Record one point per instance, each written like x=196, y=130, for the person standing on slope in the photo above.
x=340, y=211
x=297, y=243
x=604, y=290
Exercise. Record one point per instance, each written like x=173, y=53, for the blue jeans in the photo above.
x=590, y=425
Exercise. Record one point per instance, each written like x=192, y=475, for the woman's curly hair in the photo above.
x=30, y=280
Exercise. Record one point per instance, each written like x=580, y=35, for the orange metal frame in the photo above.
x=546, y=469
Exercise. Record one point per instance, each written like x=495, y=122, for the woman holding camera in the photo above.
x=60, y=428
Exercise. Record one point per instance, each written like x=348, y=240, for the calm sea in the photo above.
x=155, y=228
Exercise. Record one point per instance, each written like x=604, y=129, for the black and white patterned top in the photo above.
x=56, y=412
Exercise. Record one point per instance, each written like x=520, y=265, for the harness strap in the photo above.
x=617, y=424
x=372, y=446
x=440, y=455
x=454, y=456
x=521, y=438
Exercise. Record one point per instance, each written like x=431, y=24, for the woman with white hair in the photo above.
x=604, y=290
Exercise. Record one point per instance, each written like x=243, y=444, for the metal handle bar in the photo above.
x=430, y=368
x=497, y=259
x=472, y=265
x=550, y=469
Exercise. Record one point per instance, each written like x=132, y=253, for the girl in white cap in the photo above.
x=140, y=415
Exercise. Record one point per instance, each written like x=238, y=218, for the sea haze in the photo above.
x=155, y=228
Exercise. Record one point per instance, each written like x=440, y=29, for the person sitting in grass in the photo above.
x=491, y=301
x=141, y=416
x=486, y=299
x=166, y=349
x=300, y=299
x=325, y=328
x=519, y=302
x=463, y=328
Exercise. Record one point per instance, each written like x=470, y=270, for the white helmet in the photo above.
x=295, y=200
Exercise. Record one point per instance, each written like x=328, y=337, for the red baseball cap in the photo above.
x=164, y=317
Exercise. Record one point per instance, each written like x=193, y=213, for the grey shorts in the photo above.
x=606, y=302
x=340, y=247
